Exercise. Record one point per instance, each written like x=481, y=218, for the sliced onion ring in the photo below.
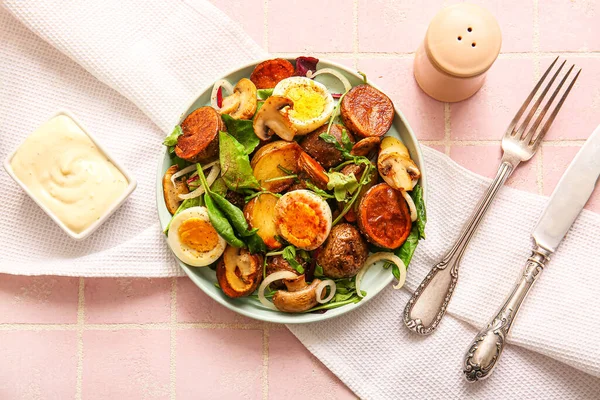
x=213, y=96
x=411, y=205
x=275, y=276
x=212, y=176
x=189, y=169
x=372, y=259
x=321, y=286
x=337, y=74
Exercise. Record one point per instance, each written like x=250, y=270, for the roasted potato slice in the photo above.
x=260, y=214
x=200, y=139
x=268, y=74
x=367, y=111
x=267, y=160
x=172, y=192
x=383, y=217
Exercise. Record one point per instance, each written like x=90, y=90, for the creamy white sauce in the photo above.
x=68, y=173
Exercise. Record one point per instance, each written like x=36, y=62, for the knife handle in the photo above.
x=485, y=351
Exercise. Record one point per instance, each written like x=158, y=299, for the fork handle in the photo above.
x=485, y=350
x=428, y=304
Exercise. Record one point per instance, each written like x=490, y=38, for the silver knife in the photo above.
x=568, y=199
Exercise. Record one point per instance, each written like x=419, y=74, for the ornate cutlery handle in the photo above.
x=428, y=303
x=485, y=351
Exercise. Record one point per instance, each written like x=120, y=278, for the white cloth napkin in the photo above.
x=158, y=56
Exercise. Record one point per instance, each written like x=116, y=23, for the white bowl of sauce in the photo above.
x=69, y=175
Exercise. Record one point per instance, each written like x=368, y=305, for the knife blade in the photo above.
x=568, y=199
x=570, y=195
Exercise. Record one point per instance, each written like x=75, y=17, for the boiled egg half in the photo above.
x=303, y=219
x=193, y=239
x=313, y=104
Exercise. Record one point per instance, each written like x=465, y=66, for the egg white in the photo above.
x=305, y=126
x=283, y=219
x=187, y=254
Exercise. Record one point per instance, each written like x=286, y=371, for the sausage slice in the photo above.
x=383, y=217
x=268, y=74
x=200, y=139
x=325, y=153
x=366, y=111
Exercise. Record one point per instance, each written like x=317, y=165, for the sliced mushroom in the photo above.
x=366, y=147
x=239, y=273
x=241, y=104
x=395, y=165
x=270, y=119
x=172, y=191
x=299, y=296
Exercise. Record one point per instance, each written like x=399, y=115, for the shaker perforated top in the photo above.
x=463, y=40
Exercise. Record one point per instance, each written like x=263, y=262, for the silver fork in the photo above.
x=428, y=304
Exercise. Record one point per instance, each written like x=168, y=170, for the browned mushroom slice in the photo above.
x=172, y=191
x=271, y=118
x=299, y=296
x=239, y=272
x=241, y=104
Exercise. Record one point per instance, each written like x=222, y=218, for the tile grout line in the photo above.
x=265, y=366
x=173, y=341
x=536, y=76
x=80, y=329
x=408, y=55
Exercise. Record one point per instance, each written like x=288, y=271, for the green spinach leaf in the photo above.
x=171, y=140
x=242, y=131
x=406, y=251
x=263, y=94
x=235, y=165
x=417, y=196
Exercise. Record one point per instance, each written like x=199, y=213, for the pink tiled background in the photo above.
x=64, y=338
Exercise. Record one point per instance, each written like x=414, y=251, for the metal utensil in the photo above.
x=428, y=304
x=568, y=199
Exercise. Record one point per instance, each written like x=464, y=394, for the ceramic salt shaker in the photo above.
x=461, y=44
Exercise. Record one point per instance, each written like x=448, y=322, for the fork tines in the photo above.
x=532, y=133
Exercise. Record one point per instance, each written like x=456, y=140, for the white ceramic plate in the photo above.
x=376, y=278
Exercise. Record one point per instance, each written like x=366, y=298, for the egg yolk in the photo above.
x=302, y=223
x=198, y=235
x=308, y=102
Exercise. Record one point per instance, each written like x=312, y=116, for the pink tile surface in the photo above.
x=248, y=13
x=391, y=26
x=310, y=25
x=485, y=160
x=219, y=364
x=126, y=364
x=579, y=114
x=569, y=25
x=127, y=300
x=195, y=306
x=294, y=373
x=394, y=76
x=486, y=115
x=561, y=157
x=38, y=365
x=40, y=299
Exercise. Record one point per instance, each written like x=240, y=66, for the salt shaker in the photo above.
x=461, y=44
